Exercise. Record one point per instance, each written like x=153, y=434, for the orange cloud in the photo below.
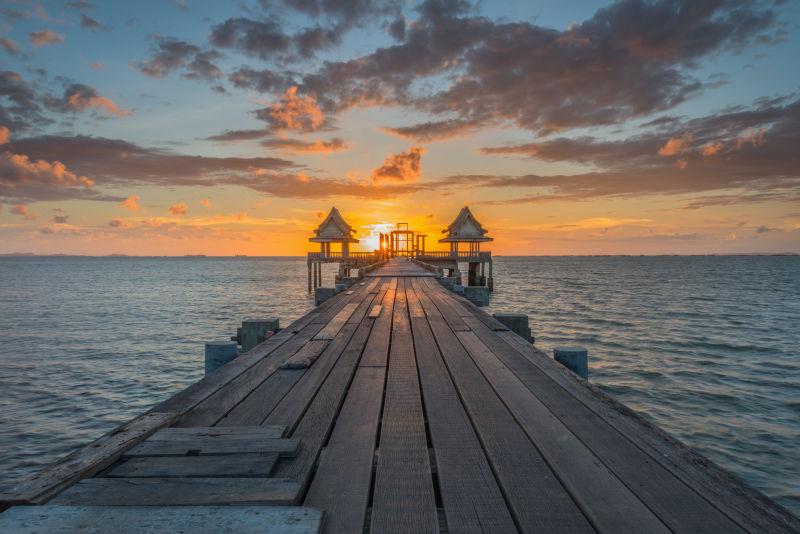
x=712, y=149
x=295, y=112
x=96, y=66
x=45, y=37
x=22, y=210
x=179, y=209
x=403, y=167
x=20, y=169
x=80, y=101
x=4, y=135
x=131, y=203
x=675, y=146
x=205, y=202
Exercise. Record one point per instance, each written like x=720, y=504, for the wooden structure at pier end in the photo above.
x=396, y=406
x=463, y=236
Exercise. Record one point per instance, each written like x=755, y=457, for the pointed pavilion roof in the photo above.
x=334, y=229
x=464, y=228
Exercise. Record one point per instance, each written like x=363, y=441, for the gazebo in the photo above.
x=334, y=229
x=465, y=228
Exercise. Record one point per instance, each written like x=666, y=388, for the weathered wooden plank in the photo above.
x=178, y=491
x=86, y=461
x=194, y=394
x=375, y=311
x=537, y=500
x=233, y=432
x=606, y=501
x=315, y=425
x=213, y=446
x=306, y=356
x=136, y=519
x=403, y=498
x=332, y=328
x=471, y=498
x=238, y=466
x=217, y=405
x=295, y=402
x=342, y=482
x=587, y=410
x=454, y=321
x=255, y=407
x=377, y=349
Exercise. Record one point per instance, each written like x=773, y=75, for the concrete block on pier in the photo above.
x=448, y=281
x=478, y=295
x=321, y=294
x=517, y=323
x=340, y=287
x=457, y=288
x=218, y=353
x=576, y=359
x=254, y=331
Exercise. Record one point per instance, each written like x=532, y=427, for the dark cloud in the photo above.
x=230, y=136
x=629, y=60
x=89, y=23
x=267, y=39
x=298, y=146
x=432, y=131
x=263, y=39
x=263, y=81
x=115, y=163
x=170, y=54
x=749, y=149
x=80, y=5
x=19, y=102
x=60, y=219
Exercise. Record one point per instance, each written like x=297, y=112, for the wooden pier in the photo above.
x=395, y=406
x=403, y=242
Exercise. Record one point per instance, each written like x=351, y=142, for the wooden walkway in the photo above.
x=398, y=407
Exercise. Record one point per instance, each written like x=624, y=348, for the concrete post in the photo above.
x=517, y=323
x=218, y=353
x=254, y=331
x=576, y=359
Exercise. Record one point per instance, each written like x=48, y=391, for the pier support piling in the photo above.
x=254, y=331
x=517, y=323
x=218, y=353
x=576, y=359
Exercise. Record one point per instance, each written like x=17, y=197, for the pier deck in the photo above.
x=399, y=406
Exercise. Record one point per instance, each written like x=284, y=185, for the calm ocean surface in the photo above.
x=705, y=346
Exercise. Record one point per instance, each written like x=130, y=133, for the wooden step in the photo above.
x=179, y=491
x=157, y=519
x=206, y=446
x=236, y=466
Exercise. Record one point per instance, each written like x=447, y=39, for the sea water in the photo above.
x=707, y=347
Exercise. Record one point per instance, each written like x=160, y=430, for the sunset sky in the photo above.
x=569, y=127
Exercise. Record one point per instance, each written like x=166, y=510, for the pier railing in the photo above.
x=446, y=255
x=464, y=255
x=339, y=256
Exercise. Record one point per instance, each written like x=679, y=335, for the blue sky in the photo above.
x=615, y=188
